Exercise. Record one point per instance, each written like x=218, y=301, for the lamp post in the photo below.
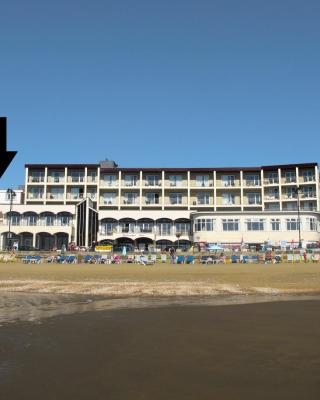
x=178, y=234
x=11, y=195
x=155, y=237
x=297, y=192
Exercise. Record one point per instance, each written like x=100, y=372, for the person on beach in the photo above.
x=171, y=252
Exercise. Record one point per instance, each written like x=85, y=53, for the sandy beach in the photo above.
x=160, y=279
x=157, y=332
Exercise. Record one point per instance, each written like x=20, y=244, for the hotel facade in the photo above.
x=170, y=206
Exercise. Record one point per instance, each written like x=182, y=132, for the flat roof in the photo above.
x=169, y=169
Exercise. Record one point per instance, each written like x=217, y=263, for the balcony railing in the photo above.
x=308, y=208
x=130, y=202
x=36, y=179
x=78, y=196
x=51, y=196
x=24, y=222
x=271, y=181
x=109, y=184
x=75, y=179
x=109, y=202
x=152, y=183
x=253, y=183
x=56, y=179
x=309, y=178
x=228, y=183
x=151, y=202
x=308, y=195
x=130, y=184
x=159, y=231
x=35, y=196
x=290, y=179
x=201, y=203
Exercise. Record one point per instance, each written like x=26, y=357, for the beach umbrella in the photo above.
x=124, y=251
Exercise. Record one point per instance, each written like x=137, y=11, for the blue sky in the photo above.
x=160, y=83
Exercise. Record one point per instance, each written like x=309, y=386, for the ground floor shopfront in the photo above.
x=50, y=227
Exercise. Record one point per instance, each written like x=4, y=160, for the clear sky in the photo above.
x=160, y=83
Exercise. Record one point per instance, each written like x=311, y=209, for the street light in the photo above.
x=155, y=237
x=178, y=235
x=11, y=195
x=297, y=191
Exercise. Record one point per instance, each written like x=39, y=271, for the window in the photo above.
x=228, y=180
x=92, y=194
x=290, y=206
x=77, y=176
x=272, y=194
x=275, y=224
x=183, y=228
x=312, y=224
x=203, y=198
x=64, y=219
x=290, y=193
x=130, y=180
x=204, y=224
x=308, y=176
x=110, y=180
x=109, y=198
x=152, y=180
x=230, y=224
x=290, y=176
x=130, y=198
x=37, y=176
x=55, y=193
x=127, y=227
x=255, y=224
x=146, y=227
x=252, y=180
x=15, y=218
x=272, y=178
x=202, y=180
x=175, y=180
x=35, y=193
x=175, y=198
x=254, y=198
x=308, y=191
x=108, y=228
x=92, y=176
x=57, y=176
x=272, y=206
x=228, y=199
x=292, y=224
x=48, y=219
x=308, y=206
x=152, y=198
x=76, y=193
x=31, y=219
x=164, y=228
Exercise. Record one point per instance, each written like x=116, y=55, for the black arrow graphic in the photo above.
x=5, y=156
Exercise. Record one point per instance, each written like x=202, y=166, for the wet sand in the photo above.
x=161, y=279
x=253, y=351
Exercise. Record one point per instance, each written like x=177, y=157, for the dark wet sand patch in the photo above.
x=255, y=351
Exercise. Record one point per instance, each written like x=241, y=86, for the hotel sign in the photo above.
x=104, y=248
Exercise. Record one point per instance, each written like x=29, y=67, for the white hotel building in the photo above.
x=138, y=206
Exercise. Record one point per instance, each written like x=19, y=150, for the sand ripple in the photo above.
x=130, y=288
